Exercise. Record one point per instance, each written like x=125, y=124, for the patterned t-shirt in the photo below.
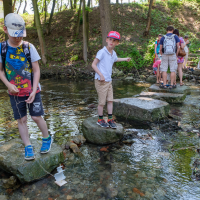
x=18, y=69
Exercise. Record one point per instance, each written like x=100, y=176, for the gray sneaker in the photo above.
x=112, y=123
x=102, y=123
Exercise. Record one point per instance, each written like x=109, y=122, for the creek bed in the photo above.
x=155, y=168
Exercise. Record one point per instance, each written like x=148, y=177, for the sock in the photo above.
x=100, y=116
x=46, y=137
x=109, y=116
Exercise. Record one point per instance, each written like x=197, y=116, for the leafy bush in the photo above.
x=74, y=58
x=139, y=58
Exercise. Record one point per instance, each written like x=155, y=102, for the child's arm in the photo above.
x=36, y=78
x=123, y=59
x=12, y=88
x=94, y=66
x=155, y=50
x=161, y=49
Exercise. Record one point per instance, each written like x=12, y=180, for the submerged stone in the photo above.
x=179, y=89
x=140, y=109
x=98, y=135
x=12, y=160
x=168, y=97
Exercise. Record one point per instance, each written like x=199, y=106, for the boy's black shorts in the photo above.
x=19, y=106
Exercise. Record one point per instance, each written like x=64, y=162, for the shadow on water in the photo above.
x=156, y=167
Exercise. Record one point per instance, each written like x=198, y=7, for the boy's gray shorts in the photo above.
x=169, y=60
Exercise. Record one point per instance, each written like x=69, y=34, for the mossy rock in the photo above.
x=12, y=160
x=98, y=135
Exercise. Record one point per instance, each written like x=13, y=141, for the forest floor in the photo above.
x=64, y=51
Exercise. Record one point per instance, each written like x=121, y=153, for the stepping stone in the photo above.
x=168, y=97
x=140, y=109
x=179, y=89
x=12, y=160
x=98, y=135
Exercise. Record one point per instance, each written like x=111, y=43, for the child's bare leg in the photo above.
x=23, y=130
x=110, y=107
x=100, y=110
x=42, y=125
x=158, y=75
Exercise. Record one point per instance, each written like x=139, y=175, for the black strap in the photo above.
x=26, y=50
x=3, y=55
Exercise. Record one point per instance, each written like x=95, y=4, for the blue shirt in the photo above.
x=158, y=47
x=169, y=34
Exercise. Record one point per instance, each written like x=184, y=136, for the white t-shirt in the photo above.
x=34, y=54
x=186, y=48
x=106, y=60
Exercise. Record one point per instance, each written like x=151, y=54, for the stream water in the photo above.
x=147, y=169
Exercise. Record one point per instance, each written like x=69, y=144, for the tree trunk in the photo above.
x=91, y=4
x=7, y=7
x=106, y=22
x=146, y=32
x=78, y=20
x=117, y=1
x=13, y=7
x=84, y=34
x=87, y=21
x=61, y=5
x=19, y=6
x=50, y=19
x=40, y=32
x=25, y=6
x=45, y=10
x=71, y=5
x=74, y=4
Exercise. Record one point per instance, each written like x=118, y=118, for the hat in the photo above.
x=15, y=25
x=114, y=34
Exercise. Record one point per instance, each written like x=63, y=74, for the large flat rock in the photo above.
x=98, y=135
x=179, y=89
x=168, y=97
x=12, y=160
x=140, y=109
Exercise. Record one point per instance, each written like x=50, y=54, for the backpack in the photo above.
x=26, y=51
x=169, y=44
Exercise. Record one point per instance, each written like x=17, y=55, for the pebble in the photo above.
x=79, y=196
x=3, y=197
x=69, y=197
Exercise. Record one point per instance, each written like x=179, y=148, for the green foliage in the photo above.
x=74, y=58
x=139, y=58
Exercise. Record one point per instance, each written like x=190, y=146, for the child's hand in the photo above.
x=102, y=78
x=31, y=98
x=13, y=89
x=128, y=59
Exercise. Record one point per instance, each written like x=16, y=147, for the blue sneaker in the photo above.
x=29, y=155
x=46, y=145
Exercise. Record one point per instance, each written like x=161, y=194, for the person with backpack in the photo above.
x=169, y=47
x=157, y=49
x=20, y=72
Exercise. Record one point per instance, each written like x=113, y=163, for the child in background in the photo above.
x=156, y=70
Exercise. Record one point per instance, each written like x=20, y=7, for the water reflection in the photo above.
x=142, y=170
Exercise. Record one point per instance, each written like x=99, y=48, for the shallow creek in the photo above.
x=157, y=168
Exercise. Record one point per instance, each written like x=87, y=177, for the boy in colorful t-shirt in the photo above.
x=22, y=81
x=102, y=65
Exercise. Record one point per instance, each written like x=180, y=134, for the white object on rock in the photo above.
x=60, y=177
